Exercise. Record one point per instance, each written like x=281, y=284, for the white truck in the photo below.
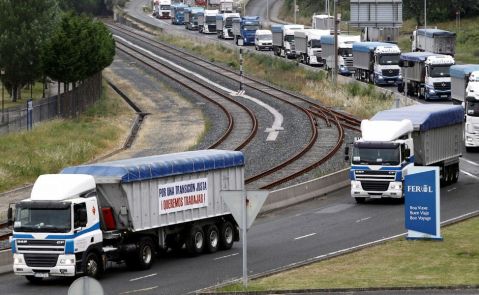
x=426, y=75
x=345, y=53
x=307, y=44
x=283, y=39
x=76, y=221
x=323, y=22
x=383, y=34
x=226, y=6
x=224, y=24
x=465, y=90
x=434, y=40
x=394, y=140
x=207, y=21
x=191, y=17
x=377, y=62
x=263, y=39
x=164, y=9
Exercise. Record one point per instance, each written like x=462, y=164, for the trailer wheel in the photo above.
x=92, y=266
x=226, y=235
x=33, y=279
x=195, y=242
x=145, y=257
x=455, y=176
x=212, y=238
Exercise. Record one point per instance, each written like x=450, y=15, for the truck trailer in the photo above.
x=434, y=40
x=345, y=53
x=307, y=44
x=324, y=22
x=125, y=211
x=283, y=39
x=207, y=21
x=377, y=62
x=244, y=29
x=396, y=139
x=224, y=24
x=426, y=75
x=383, y=34
x=465, y=90
x=191, y=17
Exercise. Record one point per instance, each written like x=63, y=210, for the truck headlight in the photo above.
x=18, y=259
x=380, y=76
x=356, y=184
x=66, y=260
x=431, y=91
x=397, y=186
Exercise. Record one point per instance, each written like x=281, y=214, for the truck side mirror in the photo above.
x=407, y=153
x=10, y=216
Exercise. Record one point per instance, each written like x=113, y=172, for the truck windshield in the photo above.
x=229, y=22
x=289, y=38
x=264, y=37
x=439, y=71
x=345, y=52
x=210, y=19
x=381, y=154
x=315, y=43
x=251, y=28
x=165, y=7
x=472, y=108
x=43, y=217
x=389, y=59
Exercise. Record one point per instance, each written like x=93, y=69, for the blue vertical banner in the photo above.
x=422, y=203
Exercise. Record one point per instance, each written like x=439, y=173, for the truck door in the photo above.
x=86, y=224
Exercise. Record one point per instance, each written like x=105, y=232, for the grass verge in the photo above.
x=397, y=263
x=52, y=145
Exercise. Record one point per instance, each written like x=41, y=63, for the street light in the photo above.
x=425, y=26
x=2, y=72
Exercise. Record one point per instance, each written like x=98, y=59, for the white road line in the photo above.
x=278, y=118
x=140, y=290
x=362, y=219
x=227, y=256
x=305, y=236
x=470, y=174
x=470, y=162
x=136, y=279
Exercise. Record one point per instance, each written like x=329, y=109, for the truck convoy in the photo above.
x=426, y=75
x=465, y=90
x=178, y=13
x=345, y=53
x=434, y=40
x=207, y=21
x=283, y=39
x=396, y=139
x=263, y=39
x=307, y=44
x=244, y=29
x=76, y=221
x=377, y=62
x=191, y=17
x=224, y=24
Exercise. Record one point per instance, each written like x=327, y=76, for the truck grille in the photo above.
x=442, y=86
x=41, y=260
x=391, y=73
x=41, y=246
x=348, y=61
x=378, y=186
x=375, y=175
x=212, y=28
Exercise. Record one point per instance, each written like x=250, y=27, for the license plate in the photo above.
x=390, y=82
x=444, y=96
x=41, y=275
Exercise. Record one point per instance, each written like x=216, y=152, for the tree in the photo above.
x=24, y=26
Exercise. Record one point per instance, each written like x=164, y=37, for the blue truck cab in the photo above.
x=178, y=13
x=244, y=29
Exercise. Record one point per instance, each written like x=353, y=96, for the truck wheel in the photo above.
x=212, y=238
x=92, y=266
x=360, y=200
x=195, y=242
x=455, y=176
x=33, y=279
x=146, y=250
x=226, y=235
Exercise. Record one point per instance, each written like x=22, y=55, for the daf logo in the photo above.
x=419, y=189
x=22, y=241
x=60, y=242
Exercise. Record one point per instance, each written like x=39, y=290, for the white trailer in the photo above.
x=323, y=22
x=283, y=39
x=434, y=40
x=383, y=34
x=307, y=44
x=125, y=210
x=226, y=6
x=345, y=53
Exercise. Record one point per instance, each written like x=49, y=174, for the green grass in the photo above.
x=52, y=145
x=397, y=263
x=26, y=93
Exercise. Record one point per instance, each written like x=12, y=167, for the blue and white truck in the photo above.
x=394, y=140
x=426, y=75
x=224, y=24
x=244, y=29
x=434, y=40
x=125, y=211
x=377, y=62
x=178, y=13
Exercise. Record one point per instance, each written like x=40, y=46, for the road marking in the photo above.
x=470, y=162
x=136, y=279
x=470, y=174
x=305, y=236
x=278, y=117
x=140, y=290
x=452, y=189
x=334, y=209
x=362, y=219
x=227, y=256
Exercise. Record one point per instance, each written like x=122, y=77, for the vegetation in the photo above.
x=397, y=263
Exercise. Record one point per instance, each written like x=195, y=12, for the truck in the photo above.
x=377, y=62
x=178, y=13
x=383, y=34
x=191, y=17
x=307, y=44
x=283, y=39
x=224, y=24
x=263, y=39
x=207, y=21
x=244, y=29
x=426, y=75
x=323, y=22
x=164, y=9
x=396, y=139
x=345, y=53
x=465, y=90
x=434, y=40
x=226, y=6
x=127, y=210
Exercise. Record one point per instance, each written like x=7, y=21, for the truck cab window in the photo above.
x=79, y=211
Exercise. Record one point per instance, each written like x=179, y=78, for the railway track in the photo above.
x=290, y=168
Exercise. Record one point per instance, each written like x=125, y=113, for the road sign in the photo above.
x=254, y=202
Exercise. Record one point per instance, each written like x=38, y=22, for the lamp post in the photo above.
x=2, y=72
x=425, y=21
